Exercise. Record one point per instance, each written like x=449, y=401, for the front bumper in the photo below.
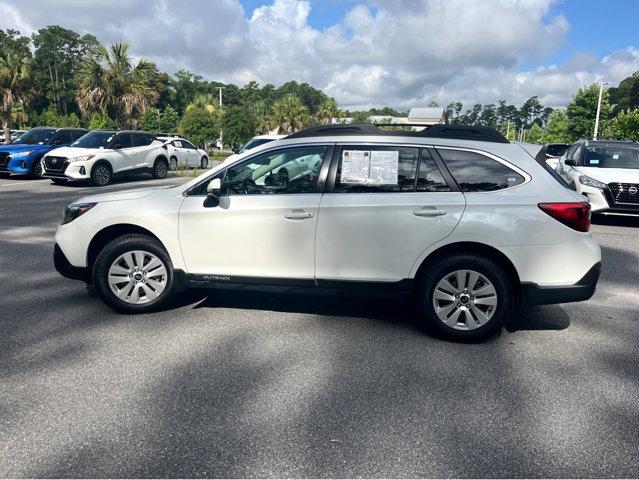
x=64, y=267
x=604, y=201
x=584, y=289
x=17, y=165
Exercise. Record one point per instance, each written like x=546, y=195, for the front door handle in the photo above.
x=298, y=215
x=429, y=212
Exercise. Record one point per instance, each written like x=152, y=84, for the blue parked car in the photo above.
x=22, y=156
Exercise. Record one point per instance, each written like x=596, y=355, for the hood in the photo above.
x=71, y=152
x=125, y=195
x=611, y=175
x=23, y=148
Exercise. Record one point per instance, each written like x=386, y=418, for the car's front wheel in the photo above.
x=134, y=274
x=37, y=169
x=101, y=175
x=465, y=297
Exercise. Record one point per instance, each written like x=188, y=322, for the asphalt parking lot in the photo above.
x=286, y=383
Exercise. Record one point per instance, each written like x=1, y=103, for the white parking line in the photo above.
x=14, y=183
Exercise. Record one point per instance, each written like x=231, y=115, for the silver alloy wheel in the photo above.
x=37, y=170
x=137, y=277
x=160, y=169
x=173, y=164
x=102, y=175
x=465, y=300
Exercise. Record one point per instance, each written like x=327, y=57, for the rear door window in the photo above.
x=376, y=169
x=475, y=172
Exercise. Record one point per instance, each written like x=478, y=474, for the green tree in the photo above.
x=327, y=111
x=238, y=126
x=199, y=126
x=109, y=82
x=16, y=86
x=150, y=120
x=360, y=117
x=168, y=121
x=626, y=95
x=290, y=115
x=625, y=126
x=535, y=134
x=556, y=130
x=58, y=51
x=100, y=120
x=581, y=112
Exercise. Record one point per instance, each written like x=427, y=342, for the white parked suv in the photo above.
x=465, y=220
x=184, y=154
x=606, y=172
x=100, y=155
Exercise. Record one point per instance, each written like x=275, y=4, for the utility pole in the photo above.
x=601, y=85
x=221, y=132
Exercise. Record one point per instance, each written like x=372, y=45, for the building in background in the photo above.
x=418, y=116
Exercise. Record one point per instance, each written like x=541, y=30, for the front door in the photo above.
x=388, y=205
x=264, y=225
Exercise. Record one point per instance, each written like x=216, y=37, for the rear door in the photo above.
x=386, y=204
x=192, y=154
x=144, y=156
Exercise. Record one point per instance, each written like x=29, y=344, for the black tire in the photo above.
x=118, y=247
x=485, y=267
x=101, y=175
x=204, y=162
x=36, y=170
x=173, y=163
x=160, y=168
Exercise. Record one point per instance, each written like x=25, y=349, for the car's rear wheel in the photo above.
x=134, y=274
x=204, y=162
x=465, y=297
x=173, y=163
x=101, y=175
x=161, y=168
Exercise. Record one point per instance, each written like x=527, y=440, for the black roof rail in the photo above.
x=457, y=132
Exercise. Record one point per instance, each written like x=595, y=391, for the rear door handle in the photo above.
x=298, y=215
x=429, y=212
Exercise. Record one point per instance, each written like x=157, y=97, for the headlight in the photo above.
x=591, y=182
x=82, y=158
x=74, y=210
x=21, y=154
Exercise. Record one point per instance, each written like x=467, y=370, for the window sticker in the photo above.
x=615, y=156
x=355, y=166
x=594, y=161
x=384, y=168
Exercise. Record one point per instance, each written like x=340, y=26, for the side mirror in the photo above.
x=213, y=192
x=235, y=150
x=570, y=162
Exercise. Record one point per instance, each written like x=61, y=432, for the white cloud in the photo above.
x=383, y=52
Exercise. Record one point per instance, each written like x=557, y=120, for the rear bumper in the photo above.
x=584, y=289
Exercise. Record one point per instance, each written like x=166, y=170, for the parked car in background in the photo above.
x=551, y=153
x=103, y=154
x=606, y=172
x=259, y=140
x=14, y=134
x=459, y=217
x=183, y=153
x=22, y=156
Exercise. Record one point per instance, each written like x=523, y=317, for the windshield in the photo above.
x=255, y=142
x=611, y=156
x=94, y=140
x=35, y=137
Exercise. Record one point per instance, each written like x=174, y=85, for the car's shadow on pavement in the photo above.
x=387, y=307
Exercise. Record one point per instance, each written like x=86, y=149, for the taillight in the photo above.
x=575, y=215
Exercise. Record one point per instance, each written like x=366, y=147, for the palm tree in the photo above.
x=289, y=115
x=327, y=111
x=15, y=85
x=107, y=81
x=206, y=101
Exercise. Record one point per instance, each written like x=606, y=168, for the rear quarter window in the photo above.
x=475, y=172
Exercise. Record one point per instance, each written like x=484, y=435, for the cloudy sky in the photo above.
x=367, y=53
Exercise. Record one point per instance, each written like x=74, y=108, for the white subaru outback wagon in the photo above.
x=465, y=220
